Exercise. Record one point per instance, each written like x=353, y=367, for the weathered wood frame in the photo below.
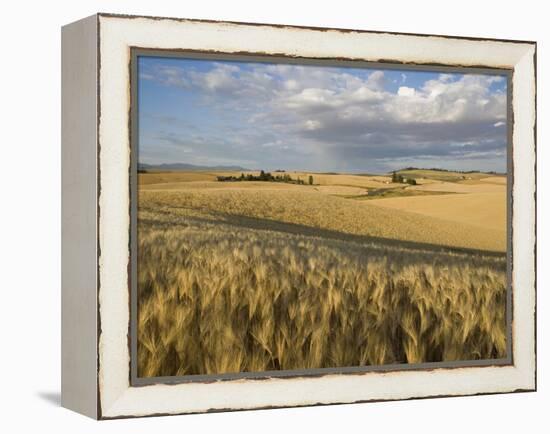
x=96, y=213
x=136, y=53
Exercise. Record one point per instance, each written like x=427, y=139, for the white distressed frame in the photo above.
x=116, y=398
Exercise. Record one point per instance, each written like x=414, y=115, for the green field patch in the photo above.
x=383, y=193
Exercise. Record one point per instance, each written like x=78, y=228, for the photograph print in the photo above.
x=318, y=217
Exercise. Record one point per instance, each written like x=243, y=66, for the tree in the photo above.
x=310, y=180
x=394, y=177
x=397, y=178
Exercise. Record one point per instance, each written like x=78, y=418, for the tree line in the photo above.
x=267, y=177
x=398, y=179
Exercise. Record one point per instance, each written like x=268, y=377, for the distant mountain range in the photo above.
x=167, y=167
x=436, y=169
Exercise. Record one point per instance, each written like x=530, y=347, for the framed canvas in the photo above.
x=262, y=216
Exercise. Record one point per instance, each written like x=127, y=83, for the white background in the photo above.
x=30, y=217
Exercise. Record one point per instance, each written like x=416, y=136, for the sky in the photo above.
x=316, y=118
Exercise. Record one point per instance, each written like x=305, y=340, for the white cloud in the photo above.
x=406, y=91
x=499, y=124
x=310, y=96
x=376, y=80
x=445, y=78
x=312, y=125
x=291, y=84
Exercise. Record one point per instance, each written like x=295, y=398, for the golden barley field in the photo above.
x=262, y=276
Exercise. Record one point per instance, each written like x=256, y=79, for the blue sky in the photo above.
x=295, y=117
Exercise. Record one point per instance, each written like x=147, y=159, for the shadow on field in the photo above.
x=256, y=223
